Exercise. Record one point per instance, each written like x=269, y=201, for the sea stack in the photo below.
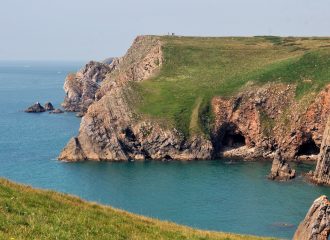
x=49, y=106
x=321, y=174
x=281, y=170
x=35, y=108
x=316, y=225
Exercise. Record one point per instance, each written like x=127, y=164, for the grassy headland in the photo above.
x=197, y=68
x=27, y=213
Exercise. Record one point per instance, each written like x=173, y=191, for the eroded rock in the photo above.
x=49, y=106
x=35, y=108
x=321, y=175
x=56, y=111
x=316, y=225
x=112, y=131
x=73, y=152
x=281, y=170
x=80, y=88
x=269, y=117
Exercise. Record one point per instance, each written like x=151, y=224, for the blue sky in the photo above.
x=96, y=29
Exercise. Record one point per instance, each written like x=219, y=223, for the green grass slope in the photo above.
x=27, y=213
x=195, y=69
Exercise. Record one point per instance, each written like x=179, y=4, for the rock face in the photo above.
x=49, y=106
x=257, y=121
x=281, y=170
x=80, y=88
x=316, y=225
x=112, y=131
x=321, y=174
x=35, y=108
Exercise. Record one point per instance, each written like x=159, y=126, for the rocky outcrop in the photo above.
x=108, y=60
x=281, y=170
x=49, y=106
x=257, y=121
x=321, y=175
x=80, y=88
x=56, y=111
x=112, y=131
x=35, y=108
x=250, y=125
x=316, y=225
x=73, y=151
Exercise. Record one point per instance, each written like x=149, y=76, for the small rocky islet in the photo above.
x=38, y=108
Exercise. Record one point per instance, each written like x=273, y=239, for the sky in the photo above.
x=96, y=29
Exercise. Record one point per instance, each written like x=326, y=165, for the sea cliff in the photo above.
x=199, y=98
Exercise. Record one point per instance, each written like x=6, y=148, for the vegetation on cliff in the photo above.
x=27, y=213
x=196, y=69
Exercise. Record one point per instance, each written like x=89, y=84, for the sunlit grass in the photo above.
x=200, y=68
x=27, y=213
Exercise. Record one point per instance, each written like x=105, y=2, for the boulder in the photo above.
x=35, y=108
x=316, y=225
x=56, y=111
x=281, y=170
x=49, y=106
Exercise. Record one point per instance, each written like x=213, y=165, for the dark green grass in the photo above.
x=201, y=68
x=27, y=213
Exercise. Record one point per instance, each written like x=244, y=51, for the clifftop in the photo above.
x=199, y=68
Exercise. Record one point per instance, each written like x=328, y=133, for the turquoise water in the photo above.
x=215, y=195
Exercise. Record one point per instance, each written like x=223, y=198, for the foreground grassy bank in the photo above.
x=195, y=69
x=27, y=213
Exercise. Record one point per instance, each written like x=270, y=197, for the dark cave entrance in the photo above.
x=308, y=148
x=232, y=137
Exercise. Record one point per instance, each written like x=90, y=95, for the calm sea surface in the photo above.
x=215, y=195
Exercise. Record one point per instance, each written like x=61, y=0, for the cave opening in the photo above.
x=308, y=148
x=167, y=158
x=232, y=137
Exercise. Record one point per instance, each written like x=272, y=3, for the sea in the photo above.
x=220, y=195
